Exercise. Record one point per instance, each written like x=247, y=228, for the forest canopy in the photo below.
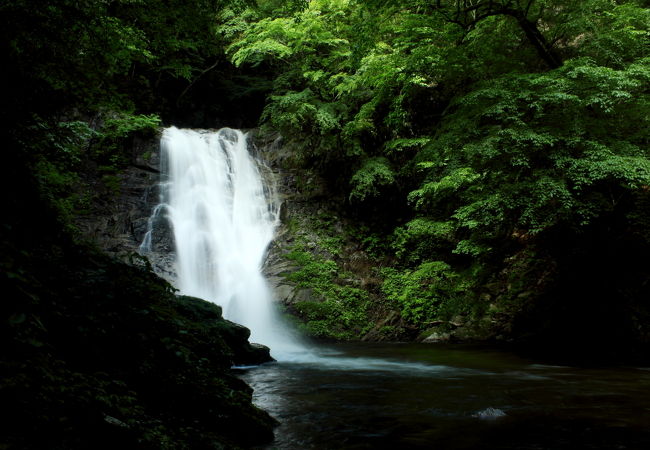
x=481, y=130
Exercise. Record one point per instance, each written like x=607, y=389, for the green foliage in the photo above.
x=402, y=145
x=312, y=50
x=421, y=238
x=420, y=294
x=60, y=150
x=86, y=76
x=342, y=315
x=111, y=148
x=375, y=243
x=434, y=192
x=549, y=147
x=471, y=129
x=123, y=124
x=313, y=271
x=336, y=311
x=62, y=142
x=62, y=189
x=369, y=181
x=107, y=54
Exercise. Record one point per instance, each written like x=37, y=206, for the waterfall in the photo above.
x=223, y=218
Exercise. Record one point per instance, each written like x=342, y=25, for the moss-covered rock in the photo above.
x=99, y=354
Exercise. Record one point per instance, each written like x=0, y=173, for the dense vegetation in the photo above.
x=501, y=147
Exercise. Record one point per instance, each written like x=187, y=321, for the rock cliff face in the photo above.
x=316, y=265
x=121, y=219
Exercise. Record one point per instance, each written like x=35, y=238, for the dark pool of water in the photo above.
x=401, y=396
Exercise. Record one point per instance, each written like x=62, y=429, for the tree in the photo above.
x=500, y=123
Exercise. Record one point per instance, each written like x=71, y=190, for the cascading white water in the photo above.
x=223, y=219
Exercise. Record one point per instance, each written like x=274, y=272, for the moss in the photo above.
x=335, y=311
x=113, y=183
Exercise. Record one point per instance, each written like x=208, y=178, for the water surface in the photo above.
x=401, y=396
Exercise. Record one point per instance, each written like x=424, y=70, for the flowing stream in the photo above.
x=372, y=396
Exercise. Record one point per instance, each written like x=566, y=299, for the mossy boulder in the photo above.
x=99, y=354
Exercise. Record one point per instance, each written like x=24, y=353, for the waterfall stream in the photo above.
x=223, y=218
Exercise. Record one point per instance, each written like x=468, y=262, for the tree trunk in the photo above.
x=544, y=49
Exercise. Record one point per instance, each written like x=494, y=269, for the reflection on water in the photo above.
x=402, y=396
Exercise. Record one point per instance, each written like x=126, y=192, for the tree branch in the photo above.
x=189, y=86
x=467, y=15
